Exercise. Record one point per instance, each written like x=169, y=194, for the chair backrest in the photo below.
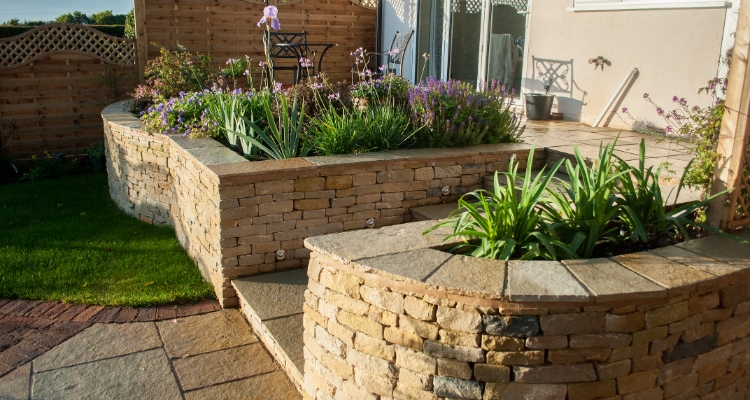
x=285, y=37
x=398, y=47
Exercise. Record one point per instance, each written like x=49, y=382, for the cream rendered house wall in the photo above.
x=676, y=52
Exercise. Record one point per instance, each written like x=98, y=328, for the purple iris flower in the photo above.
x=271, y=16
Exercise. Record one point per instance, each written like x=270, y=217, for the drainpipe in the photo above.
x=625, y=81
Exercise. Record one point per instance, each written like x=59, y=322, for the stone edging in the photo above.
x=30, y=328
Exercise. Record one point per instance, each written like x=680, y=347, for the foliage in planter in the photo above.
x=281, y=135
x=386, y=86
x=187, y=114
x=458, y=115
x=229, y=110
x=377, y=128
x=174, y=72
x=607, y=204
x=320, y=95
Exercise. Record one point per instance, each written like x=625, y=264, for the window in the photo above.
x=604, y=5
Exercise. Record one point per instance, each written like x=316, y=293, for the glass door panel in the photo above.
x=504, y=54
x=429, y=38
x=465, y=35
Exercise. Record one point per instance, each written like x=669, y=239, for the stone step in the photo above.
x=273, y=304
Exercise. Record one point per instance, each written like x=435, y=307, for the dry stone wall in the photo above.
x=239, y=218
x=402, y=320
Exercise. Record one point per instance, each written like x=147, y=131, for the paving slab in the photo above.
x=274, y=295
x=144, y=375
x=697, y=261
x=415, y=264
x=223, y=366
x=16, y=385
x=273, y=386
x=205, y=333
x=665, y=272
x=721, y=248
x=287, y=332
x=436, y=212
x=99, y=342
x=474, y=274
x=610, y=281
x=543, y=281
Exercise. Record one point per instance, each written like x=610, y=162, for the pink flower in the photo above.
x=270, y=16
x=305, y=63
x=668, y=129
x=394, y=52
x=624, y=110
x=645, y=95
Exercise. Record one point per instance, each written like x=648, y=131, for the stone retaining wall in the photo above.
x=239, y=218
x=388, y=315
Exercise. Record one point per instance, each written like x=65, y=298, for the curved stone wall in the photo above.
x=233, y=215
x=388, y=314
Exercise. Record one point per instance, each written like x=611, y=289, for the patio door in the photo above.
x=485, y=41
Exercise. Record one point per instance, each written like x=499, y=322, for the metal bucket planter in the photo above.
x=539, y=106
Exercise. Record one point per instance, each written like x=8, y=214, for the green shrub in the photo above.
x=174, y=72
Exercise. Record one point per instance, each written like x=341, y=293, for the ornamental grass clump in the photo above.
x=609, y=207
x=458, y=115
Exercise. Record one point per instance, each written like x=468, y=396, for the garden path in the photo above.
x=214, y=355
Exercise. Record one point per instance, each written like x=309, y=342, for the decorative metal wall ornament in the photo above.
x=69, y=38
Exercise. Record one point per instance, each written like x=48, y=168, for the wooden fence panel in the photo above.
x=227, y=29
x=54, y=82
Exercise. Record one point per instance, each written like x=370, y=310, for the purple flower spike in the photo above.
x=645, y=95
x=270, y=16
x=624, y=110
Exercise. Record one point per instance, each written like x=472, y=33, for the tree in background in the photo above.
x=130, y=24
x=76, y=17
x=107, y=18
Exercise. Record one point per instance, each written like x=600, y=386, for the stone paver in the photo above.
x=16, y=385
x=288, y=331
x=99, y=342
x=216, y=356
x=223, y=366
x=201, y=334
x=274, y=295
x=145, y=375
x=273, y=386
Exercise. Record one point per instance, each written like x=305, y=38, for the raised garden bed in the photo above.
x=239, y=218
x=389, y=313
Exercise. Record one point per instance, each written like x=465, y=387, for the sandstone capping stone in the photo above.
x=610, y=281
x=543, y=281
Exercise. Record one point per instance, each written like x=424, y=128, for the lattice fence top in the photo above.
x=475, y=6
x=52, y=38
x=366, y=3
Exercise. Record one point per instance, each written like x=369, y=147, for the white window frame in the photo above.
x=614, y=5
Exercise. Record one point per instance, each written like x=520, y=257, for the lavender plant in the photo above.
x=187, y=114
x=458, y=115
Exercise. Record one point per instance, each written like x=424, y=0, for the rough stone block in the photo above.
x=570, y=324
x=637, y=381
x=613, y=370
x=545, y=342
x=390, y=301
x=374, y=347
x=329, y=342
x=415, y=361
x=419, y=309
x=415, y=380
x=625, y=323
x=361, y=324
x=514, y=326
x=666, y=315
x=690, y=350
x=534, y=357
x=459, y=338
x=444, y=386
x=338, y=182
x=611, y=340
x=492, y=373
x=422, y=329
x=555, y=373
x=459, y=320
x=574, y=356
x=505, y=343
x=456, y=369
x=592, y=390
x=373, y=365
x=523, y=391
x=460, y=353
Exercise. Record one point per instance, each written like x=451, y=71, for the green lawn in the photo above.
x=65, y=240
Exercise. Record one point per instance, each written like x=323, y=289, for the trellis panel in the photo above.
x=52, y=91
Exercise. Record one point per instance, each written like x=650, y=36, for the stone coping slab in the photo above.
x=401, y=255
